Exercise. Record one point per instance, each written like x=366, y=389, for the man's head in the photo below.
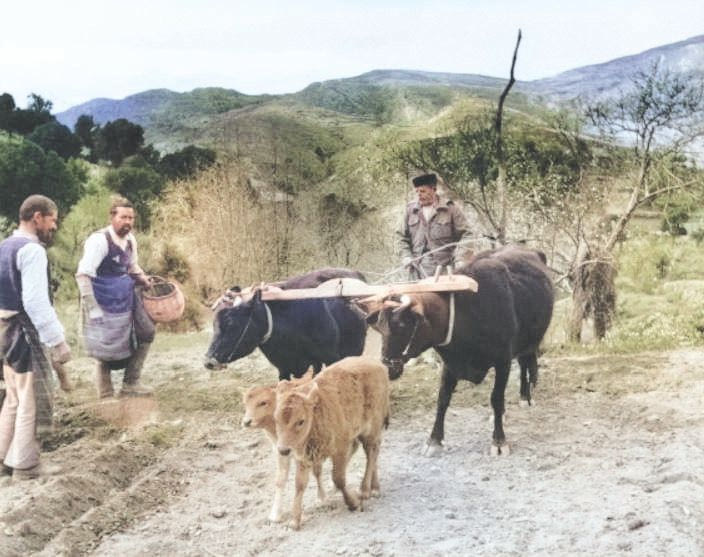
x=425, y=185
x=121, y=216
x=38, y=214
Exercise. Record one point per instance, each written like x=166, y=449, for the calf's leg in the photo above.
x=302, y=476
x=339, y=477
x=448, y=382
x=282, y=466
x=317, y=472
x=370, y=481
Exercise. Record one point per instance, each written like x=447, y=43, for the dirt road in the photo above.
x=609, y=461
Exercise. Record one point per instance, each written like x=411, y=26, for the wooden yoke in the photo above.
x=353, y=288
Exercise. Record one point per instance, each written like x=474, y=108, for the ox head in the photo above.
x=400, y=322
x=294, y=418
x=239, y=326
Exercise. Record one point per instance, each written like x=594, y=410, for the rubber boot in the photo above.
x=103, y=381
x=130, y=384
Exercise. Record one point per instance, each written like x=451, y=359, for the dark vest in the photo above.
x=113, y=286
x=117, y=262
x=10, y=277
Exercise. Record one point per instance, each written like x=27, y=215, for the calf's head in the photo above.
x=259, y=405
x=399, y=323
x=294, y=419
x=238, y=328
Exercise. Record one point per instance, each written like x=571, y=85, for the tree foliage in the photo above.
x=186, y=163
x=138, y=182
x=56, y=137
x=118, y=140
x=26, y=169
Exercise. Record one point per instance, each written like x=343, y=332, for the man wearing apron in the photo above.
x=116, y=329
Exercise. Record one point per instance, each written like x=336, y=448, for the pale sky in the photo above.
x=73, y=51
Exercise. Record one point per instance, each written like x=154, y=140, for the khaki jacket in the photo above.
x=447, y=224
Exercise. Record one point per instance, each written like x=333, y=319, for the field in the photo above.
x=607, y=462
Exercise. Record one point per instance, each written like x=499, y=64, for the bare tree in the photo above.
x=657, y=118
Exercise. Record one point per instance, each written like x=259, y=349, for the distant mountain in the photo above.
x=607, y=79
x=157, y=105
x=390, y=96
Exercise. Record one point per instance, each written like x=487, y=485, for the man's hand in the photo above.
x=91, y=306
x=60, y=354
x=407, y=262
x=143, y=280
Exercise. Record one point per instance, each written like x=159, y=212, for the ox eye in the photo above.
x=299, y=423
x=262, y=403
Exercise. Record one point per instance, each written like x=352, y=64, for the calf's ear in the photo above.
x=314, y=395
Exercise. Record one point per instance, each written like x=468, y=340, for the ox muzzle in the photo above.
x=395, y=366
x=212, y=364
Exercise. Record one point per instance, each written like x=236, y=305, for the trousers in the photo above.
x=19, y=447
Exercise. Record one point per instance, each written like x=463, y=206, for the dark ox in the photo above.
x=293, y=335
x=505, y=319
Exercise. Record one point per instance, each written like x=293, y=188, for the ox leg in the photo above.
x=339, y=477
x=370, y=481
x=302, y=476
x=497, y=402
x=529, y=376
x=282, y=466
x=448, y=382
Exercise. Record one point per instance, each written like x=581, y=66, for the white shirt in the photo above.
x=32, y=264
x=96, y=249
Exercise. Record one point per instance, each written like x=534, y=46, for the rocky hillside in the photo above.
x=603, y=80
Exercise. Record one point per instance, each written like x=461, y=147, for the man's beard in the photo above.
x=46, y=237
x=123, y=231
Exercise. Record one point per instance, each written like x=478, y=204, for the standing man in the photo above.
x=116, y=329
x=429, y=224
x=28, y=323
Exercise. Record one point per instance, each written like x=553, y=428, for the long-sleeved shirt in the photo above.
x=32, y=263
x=96, y=249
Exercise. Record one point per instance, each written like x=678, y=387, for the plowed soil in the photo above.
x=609, y=461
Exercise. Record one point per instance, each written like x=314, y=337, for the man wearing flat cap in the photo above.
x=431, y=230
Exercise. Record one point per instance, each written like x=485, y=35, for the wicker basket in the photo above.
x=163, y=301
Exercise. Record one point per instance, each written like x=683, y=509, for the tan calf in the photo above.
x=259, y=404
x=345, y=403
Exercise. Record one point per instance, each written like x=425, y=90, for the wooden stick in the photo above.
x=352, y=288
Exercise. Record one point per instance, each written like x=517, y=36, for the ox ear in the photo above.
x=371, y=307
x=416, y=305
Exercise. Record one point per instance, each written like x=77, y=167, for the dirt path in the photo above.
x=608, y=462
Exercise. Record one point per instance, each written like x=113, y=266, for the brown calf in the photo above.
x=259, y=405
x=347, y=402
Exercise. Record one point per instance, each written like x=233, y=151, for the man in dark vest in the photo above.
x=28, y=326
x=116, y=329
x=432, y=230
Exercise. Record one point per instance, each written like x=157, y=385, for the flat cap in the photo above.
x=425, y=180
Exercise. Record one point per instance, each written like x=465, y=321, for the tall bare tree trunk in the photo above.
x=501, y=187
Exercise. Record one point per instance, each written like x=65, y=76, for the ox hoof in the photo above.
x=294, y=524
x=500, y=450
x=432, y=449
x=523, y=403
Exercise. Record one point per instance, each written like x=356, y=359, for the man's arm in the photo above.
x=94, y=251
x=32, y=264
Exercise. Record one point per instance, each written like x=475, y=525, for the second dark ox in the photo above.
x=505, y=319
